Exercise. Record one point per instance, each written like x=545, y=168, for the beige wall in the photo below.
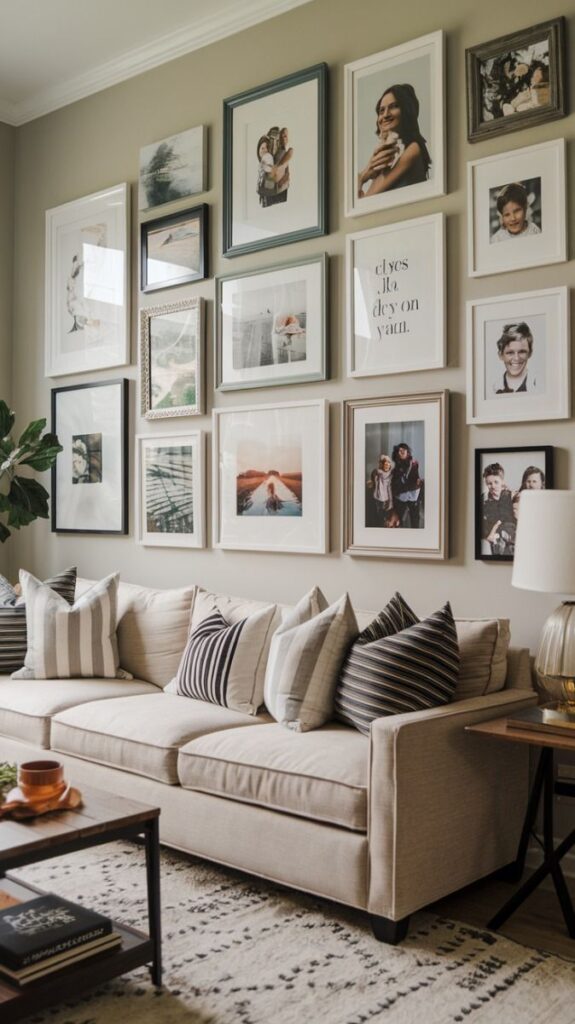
x=7, y=141
x=94, y=143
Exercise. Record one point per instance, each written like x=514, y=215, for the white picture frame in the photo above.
x=395, y=297
x=173, y=168
x=170, y=490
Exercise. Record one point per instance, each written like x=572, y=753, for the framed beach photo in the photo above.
x=171, y=359
x=270, y=477
x=173, y=168
x=271, y=325
x=87, y=275
x=90, y=477
x=516, y=81
x=395, y=476
x=275, y=163
x=518, y=357
x=170, y=490
x=174, y=249
x=395, y=286
x=517, y=209
x=501, y=476
x=395, y=126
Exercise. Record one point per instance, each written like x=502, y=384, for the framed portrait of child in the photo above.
x=501, y=477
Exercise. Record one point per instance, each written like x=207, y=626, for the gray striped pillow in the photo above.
x=13, y=633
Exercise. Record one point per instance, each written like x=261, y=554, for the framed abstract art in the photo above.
x=170, y=490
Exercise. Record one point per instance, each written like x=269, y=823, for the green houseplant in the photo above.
x=22, y=499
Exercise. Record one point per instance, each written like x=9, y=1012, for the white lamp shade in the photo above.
x=545, y=542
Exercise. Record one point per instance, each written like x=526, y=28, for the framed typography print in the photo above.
x=270, y=477
x=170, y=490
x=395, y=297
x=173, y=168
x=171, y=351
x=395, y=476
x=394, y=126
x=271, y=325
x=501, y=477
x=87, y=274
x=274, y=162
x=90, y=477
x=174, y=249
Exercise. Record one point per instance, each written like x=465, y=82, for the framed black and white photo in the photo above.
x=517, y=209
x=174, y=249
x=275, y=162
x=516, y=81
x=171, y=359
x=173, y=168
x=501, y=477
x=271, y=325
x=270, y=477
x=395, y=476
x=396, y=297
x=518, y=358
x=170, y=490
x=87, y=275
x=90, y=477
x=395, y=126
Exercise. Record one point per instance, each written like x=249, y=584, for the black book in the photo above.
x=44, y=927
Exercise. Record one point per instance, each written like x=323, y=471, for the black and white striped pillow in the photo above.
x=13, y=631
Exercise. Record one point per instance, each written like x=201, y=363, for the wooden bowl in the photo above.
x=41, y=780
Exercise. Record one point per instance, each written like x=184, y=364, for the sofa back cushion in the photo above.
x=483, y=646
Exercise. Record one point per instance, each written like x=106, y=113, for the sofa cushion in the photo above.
x=320, y=774
x=483, y=646
x=141, y=734
x=153, y=627
x=13, y=632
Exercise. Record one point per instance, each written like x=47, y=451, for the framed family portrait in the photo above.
x=516, y=81
x=270, y=477
x=395, y=476
x=517, y=209
x=173, y=168
x=395, y=284
x=271, y=325
x=174, y=249
x=170, y=490
x=90, y=477
x=501, y=476
x=87, y=275
x=395, y=126
x=518, y=357
x=171, y=359
x=275, y=163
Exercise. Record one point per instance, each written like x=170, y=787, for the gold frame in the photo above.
x=146, y=315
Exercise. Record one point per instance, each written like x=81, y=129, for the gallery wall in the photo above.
x=7, y=140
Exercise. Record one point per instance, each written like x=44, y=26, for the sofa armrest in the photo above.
x=445, y=806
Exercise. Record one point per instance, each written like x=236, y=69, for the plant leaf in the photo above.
x=6, y=419
x=28, y=500
x=4, y=533
x=32, y=432
x=44, y=454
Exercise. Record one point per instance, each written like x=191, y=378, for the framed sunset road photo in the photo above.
x=174, y=249
x=170, y=490
x=501, y=477
x=171, y=359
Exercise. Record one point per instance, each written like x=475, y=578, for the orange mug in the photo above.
x=41, y=780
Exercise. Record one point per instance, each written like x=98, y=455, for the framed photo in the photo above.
x=501, y=476
x=270, y=477
x=275, y=163
x=174, y=249
x=173, y=168
x=271, y=325
x=396, y=297
x=90, y=477
x=517, y=209
x=171, y=359
x=170, y=490
x=395, y=126
x=516, y=81
x=395, y=476
x=518, y=359
x=87, y=292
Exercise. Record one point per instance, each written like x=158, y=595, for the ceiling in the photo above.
x=53, y=52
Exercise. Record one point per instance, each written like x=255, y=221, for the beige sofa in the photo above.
x=387, y=824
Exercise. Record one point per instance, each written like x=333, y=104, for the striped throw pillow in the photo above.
x=13, y=633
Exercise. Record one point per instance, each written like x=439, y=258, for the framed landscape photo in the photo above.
x=518, y=357
x=174, y=249
x=395, y=284
x=171, y=359
x=517, y=209
x=270, y=477
x=170, y=490
x=275, y=162
x=90, y=477
x=271, y=325
x=501, y=476
x=173, y=168
x=395, y=126
x=516, y=81
x=87, y=275
x=395, y=476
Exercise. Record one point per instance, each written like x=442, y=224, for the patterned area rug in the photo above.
x=240, y=950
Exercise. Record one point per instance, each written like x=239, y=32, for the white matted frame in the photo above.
x=87, y=283
x=270, y=476
x=172, y=359
x=532, y=180
x=170, y=490
x=518, y=357
x=395, y=290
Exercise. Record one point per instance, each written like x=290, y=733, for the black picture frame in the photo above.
x=489, y=456
x=475, y=56
x=169, y=223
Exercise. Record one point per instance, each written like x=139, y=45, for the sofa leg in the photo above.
x=386, y=930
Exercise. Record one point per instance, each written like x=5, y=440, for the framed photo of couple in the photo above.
x=501, y=476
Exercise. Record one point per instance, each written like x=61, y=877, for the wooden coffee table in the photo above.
x=103, y=818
